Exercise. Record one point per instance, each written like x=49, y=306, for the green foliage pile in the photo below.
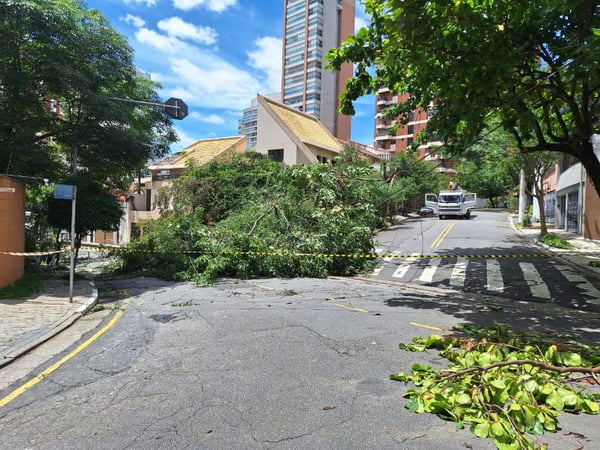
x=252, y=217
x=556, y=241
x=505, y=384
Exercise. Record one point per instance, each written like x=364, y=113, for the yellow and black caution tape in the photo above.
x=322, y=255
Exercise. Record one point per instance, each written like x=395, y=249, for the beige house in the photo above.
x=142, y=206
x=292, y=137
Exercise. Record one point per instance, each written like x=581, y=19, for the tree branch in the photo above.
x=522, y=362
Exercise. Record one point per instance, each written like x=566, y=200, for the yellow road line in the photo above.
x=428, y=327
x=24, y=388
x=443, y=235
x=352, y=308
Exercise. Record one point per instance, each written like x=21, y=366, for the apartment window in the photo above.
x=294, y=60
x=294, y=49
x=314, y=64
x=276, y=154
x=411, y=129
x=322, y=159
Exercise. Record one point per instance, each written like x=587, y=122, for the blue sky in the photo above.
x=215, y=55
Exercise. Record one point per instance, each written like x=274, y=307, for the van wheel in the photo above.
x=468, y=215
x=441, y=217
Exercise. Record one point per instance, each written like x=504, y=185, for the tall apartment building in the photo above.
x=248, y=124
x=311, y=28
x=406, y=133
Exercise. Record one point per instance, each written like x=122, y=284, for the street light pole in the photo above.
x=72, y=267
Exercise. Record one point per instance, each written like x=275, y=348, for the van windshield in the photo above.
x=449, y=199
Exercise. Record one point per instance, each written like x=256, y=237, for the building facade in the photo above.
x=310, y=29
x=12, y=230
x=248, y=124
x=293, y=137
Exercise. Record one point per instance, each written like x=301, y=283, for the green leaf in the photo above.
x=538, y=428
x=498, y=430
x=421, y=368
x=481, y=430
x=590, y=406
x=569, y=359
x=555, y=400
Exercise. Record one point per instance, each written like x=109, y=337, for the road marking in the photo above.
x=443, y=235
x=536, y=285
x=494, y=276
x=351, y=308
x=24, y=388
x=403, y=268
x=390, y=256
x=429, y=327
x=583, y=284
x=457, y=278
x=429, y=271
x=376, y=270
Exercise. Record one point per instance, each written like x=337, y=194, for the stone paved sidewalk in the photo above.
x=27, y=323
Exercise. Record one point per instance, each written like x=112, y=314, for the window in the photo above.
x=322, y=159
x=276, y=154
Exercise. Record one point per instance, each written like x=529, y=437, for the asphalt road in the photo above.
x=282, y=364
x=482, y=255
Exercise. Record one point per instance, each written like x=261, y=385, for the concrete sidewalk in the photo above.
x=583, y=252
x=27, y=323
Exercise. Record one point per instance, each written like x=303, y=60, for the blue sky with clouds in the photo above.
x=215, y=55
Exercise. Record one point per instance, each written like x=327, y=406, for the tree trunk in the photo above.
x=591, y=164
x=542, y=205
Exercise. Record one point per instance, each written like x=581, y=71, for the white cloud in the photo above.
x=136, y=21
x=215, y=84
x=267, y=59
x=178, y=28
x=184, y=141
x=148, y=3
x=212, y=5
x=166, y=44
x=359, y=23
x=211, y=118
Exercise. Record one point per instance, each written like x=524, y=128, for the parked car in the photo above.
x=425, y=211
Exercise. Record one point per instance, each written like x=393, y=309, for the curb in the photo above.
x=52, y=330
x=559, y=255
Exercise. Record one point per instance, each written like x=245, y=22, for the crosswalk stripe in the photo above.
x=494, y=276
x=534, y=280
x=587, y=288
x=403, y=268
x=429, y=271
x=389, y=258
x=457, y=278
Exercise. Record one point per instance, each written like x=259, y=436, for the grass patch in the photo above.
x=595, y=263
x=27, y=286
x=553, y=240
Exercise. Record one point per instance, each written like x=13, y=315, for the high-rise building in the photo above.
x=387, y=141
x=248, y=124
x=311, y=28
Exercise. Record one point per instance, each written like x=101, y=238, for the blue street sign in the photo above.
x=64, y=191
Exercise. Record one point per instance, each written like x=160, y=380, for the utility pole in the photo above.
x=522, y=196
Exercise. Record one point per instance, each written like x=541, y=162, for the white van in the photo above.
x=451, y=203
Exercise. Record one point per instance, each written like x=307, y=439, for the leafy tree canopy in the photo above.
x=252, y=217
x=61, y=68
x=95, y=209
x=535, y=65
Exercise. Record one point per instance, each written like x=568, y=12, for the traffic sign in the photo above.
x=176, y=108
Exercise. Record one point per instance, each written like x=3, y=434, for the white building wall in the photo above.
x=272, y=137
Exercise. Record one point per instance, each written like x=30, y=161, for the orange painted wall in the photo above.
x=12, y=230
